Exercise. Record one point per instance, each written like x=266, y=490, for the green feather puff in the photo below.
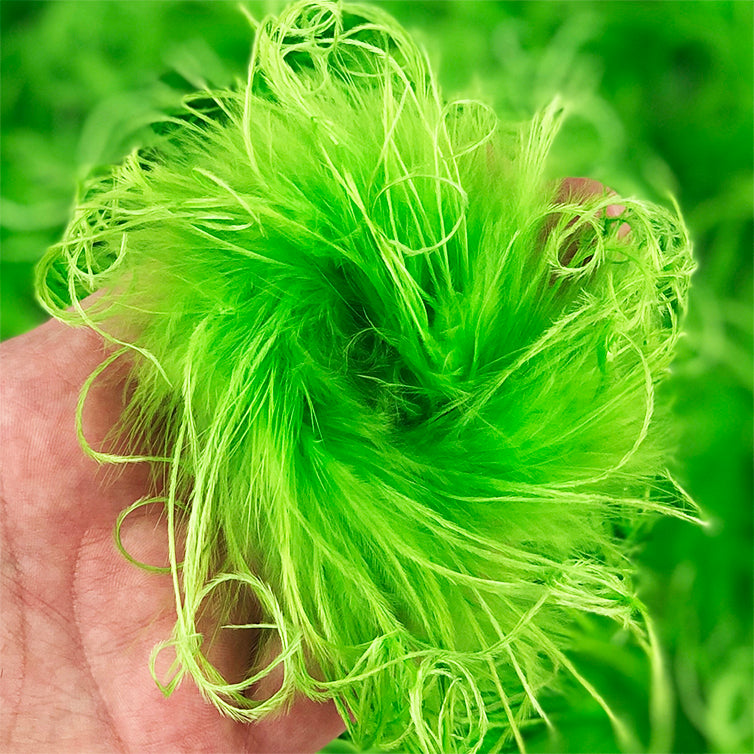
x=399, y=392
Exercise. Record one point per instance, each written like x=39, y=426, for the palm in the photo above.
x=79, y=622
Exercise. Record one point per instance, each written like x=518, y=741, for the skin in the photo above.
x=79, y=621
x=580, y=190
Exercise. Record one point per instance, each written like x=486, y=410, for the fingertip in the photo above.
x=614, y=210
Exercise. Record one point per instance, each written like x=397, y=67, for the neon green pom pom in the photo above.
x=400, y=391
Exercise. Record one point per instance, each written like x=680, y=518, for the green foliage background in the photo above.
x=661, y=95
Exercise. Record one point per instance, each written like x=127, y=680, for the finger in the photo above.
x=580, y=190
x=304, y=726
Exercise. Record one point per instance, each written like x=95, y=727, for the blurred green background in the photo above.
x=661, y=99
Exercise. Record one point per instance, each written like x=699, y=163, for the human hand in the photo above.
x=79, y=621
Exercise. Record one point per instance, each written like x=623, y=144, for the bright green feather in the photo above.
x=398, y=394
